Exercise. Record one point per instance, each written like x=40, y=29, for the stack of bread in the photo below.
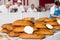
x=16, y=29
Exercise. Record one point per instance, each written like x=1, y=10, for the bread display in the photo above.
x=24, y=35
x=22, y=23
x=36, y=28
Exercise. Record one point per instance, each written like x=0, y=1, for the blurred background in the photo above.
x=39, y=4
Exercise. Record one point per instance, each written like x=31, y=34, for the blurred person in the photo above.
x=19, y=7
x=32, y=8
x=5, y=8
x=55, y=10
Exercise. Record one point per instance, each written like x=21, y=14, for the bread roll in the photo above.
x=22, y=23
x=29, y=36
x=44, y=31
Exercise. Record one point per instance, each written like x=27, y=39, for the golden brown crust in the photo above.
x=49, y=20
x=22, y=23
x=21, y=29
x=4, y=31
x=56, y=27
x=41, y=19
x=29, y=36
x=18, y=29
x=8, y=26
x=29, y=19
x=44, y=31
x=39, y=25
x=58, y=18
x=52, y=23
x=35, y=28
x=5, y=25
x=13, y=34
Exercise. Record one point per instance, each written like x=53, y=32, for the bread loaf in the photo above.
x=7, y=26
x=22, y=23
x=29, y=36
x=4, y=31
x=13, y=34
x=56, y=27
x=44, y=31
x=52, y=23
x=39, y=25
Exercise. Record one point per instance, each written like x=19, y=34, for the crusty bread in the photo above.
x=18, y=29
x=39, y=25
x=44, y=31
x=56, y=27
x=49, y=20
x=13, y=34
x=4, y=31
x=41, y=19
x=29, y=19
x=22, y=23
x=29, y=36
x=52, y=23
x=7, y=26
x=21, y=29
